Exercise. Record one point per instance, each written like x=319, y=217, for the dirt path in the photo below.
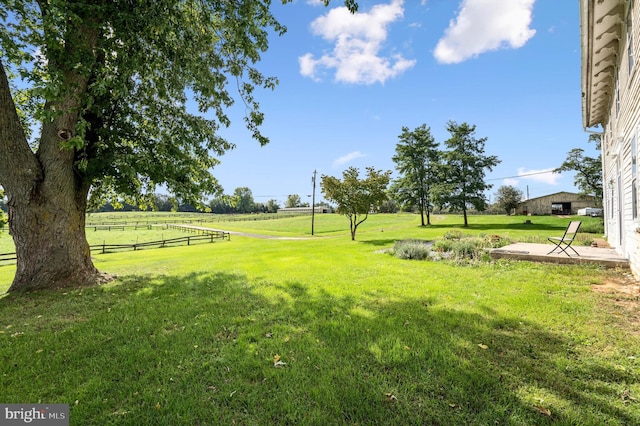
x=622, y=291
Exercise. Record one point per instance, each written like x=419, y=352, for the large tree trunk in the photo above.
x=49, y=235
x=46, y=197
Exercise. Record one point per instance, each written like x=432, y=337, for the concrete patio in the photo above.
x=606, y=257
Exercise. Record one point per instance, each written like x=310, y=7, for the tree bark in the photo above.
x=352, y=227
x=46, y=200
x=48, y=229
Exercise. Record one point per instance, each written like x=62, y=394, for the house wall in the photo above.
x=620, y=147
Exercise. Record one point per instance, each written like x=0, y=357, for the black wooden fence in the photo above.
x=208, y=237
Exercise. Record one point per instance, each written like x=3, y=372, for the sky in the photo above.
x=348, y=84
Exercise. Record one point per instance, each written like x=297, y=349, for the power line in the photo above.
x=526, y=174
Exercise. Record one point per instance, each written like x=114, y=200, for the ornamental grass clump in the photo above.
x=452, y=235
x=459, y=248
x=412, y=249
x=468, y=249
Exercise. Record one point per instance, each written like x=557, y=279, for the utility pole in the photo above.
x=313, y=201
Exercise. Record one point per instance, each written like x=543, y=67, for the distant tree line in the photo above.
x=429, y=179
x=241, y=202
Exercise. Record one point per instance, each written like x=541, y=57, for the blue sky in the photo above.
x=349, y=83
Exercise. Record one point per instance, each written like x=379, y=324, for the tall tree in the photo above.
x=243, y=200
x=221, y=204
x=416, y=159
x=463, y=169
x=293, y=200
x=508, y=197
x=588, y=177
x=356, y=197
x=272, y=206
x=109, y=83
x=165, y=203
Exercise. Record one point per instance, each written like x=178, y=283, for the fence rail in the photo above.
x=120, y=227
x=188, y=240
x=199, y=230
x=5, y=257
x=142, y=222
x=110, y=248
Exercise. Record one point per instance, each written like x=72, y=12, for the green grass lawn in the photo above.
x=325, y=330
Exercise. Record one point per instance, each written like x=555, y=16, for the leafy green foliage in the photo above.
x=508, y=197
x=272, y=206
x=356, y=197
x=462, y=171
x=588, y=177
x=127, y=72
x=416, y=159
x=243, y=200
x=293, y=200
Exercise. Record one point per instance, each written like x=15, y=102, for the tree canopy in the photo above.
x=508, y=197
x=461, y=184
x=588, y=177
x=293, y=200
x=94, y=102
x=356, y=197
x=416, y=159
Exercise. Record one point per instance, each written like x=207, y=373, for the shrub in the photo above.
x=452, y=235
x=461, y=248
x=495, y=241
x=468, y=248
x=443, y=245
x=412, y=249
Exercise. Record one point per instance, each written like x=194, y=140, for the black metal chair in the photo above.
x=563, y=243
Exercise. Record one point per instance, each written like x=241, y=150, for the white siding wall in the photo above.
x=619, y=133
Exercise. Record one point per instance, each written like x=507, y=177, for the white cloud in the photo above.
x=347, y=158
x=543, y=176
x=485, y=25
x=358, y=39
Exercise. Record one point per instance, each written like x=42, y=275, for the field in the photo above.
x=323, y=330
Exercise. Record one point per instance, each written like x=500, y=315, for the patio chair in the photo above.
x=563, y=243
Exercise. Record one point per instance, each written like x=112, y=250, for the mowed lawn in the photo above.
x=324, y=330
